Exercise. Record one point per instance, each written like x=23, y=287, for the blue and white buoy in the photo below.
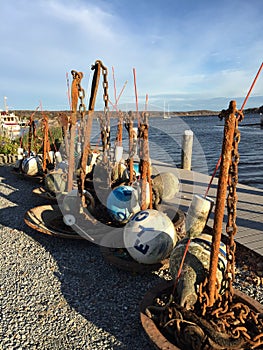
x=31, y=166
x=122, y=203
x=149, y=236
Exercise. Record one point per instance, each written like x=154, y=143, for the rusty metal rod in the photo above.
x=45, y=142
x=88, y=126
x=145, y=164
x=228, y=138
x=131, y=136
x=73, y=120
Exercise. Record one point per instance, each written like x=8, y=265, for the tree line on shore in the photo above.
x=113, y=114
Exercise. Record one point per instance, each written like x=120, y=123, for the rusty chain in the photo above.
x=118, y=139
x=231, y=227
x=105, y=120
x=77, y=77
x=144, y=155
x=81, y=96
x=97, y=67
x=128, y=123
x=231, y=316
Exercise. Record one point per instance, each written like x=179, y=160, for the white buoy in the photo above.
x=20, y=153
x=79, y=147
x=58, y=157
x=197, y=215
x=31, y=166
x=149, y=236
x=51, y=155
x=118, y=153
x=122, y=203
x=69, y=219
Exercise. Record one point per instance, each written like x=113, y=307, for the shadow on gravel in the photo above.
x=105, y=296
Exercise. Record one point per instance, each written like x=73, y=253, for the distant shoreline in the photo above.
x=114, y=114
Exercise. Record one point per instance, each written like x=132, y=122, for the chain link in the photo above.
x=231, y=227
x=105, y=120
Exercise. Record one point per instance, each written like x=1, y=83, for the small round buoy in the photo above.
x=31, y=166
x=122, y=203
x=69, y=219
x=167, y=184
x=149, y=236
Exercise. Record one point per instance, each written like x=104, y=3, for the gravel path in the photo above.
x=61, y=294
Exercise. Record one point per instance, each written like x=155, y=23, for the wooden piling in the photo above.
x=187, y=146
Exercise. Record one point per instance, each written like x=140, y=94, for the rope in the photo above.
x=136, y=96
x=243, y=105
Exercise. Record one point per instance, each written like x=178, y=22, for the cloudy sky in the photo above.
x=187, y=54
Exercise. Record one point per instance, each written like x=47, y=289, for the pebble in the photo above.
x=61, y=294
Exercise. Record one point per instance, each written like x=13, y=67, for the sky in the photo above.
x=186, y=55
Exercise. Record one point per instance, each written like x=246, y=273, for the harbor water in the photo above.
x=165, y=138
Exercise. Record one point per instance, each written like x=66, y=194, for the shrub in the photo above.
x=8, y=146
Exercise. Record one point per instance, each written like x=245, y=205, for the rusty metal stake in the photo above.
x=228, y=138
x=88, y=127
x=64, y=123
x=145, y=162
x=45, y=142
x=30, y=132
x=131, y=137
x=119, y=130
x=77, y=76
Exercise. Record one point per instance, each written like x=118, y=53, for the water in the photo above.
x=165, y=136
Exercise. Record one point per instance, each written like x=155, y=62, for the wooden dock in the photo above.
x=249, y=206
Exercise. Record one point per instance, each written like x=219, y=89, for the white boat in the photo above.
x=9, y=123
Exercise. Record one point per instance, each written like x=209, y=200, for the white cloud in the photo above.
x=202, y=52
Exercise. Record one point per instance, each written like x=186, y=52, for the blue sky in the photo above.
x=187, y=54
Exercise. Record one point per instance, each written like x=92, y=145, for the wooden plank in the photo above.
x=249, y=206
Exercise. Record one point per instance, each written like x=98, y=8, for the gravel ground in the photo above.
x=61, y=294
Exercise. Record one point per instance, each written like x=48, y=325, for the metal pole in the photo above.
x=220, y=203
x=77, y=76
